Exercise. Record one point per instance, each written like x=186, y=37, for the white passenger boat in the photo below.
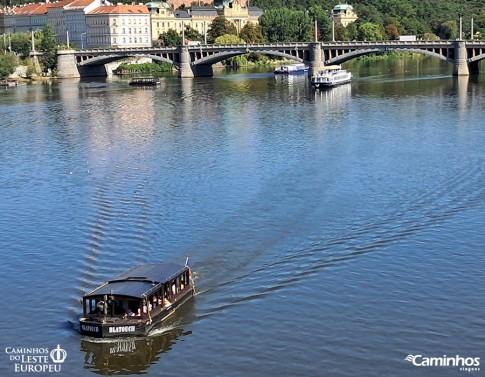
x=291, y=68
x=331, y=75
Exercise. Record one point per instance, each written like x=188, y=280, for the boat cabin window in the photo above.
x=116, y=306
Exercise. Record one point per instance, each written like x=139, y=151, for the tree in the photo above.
x=369, y=31
x=220, y=26
x=285, y=25
x=193, y=35
x=447, y=30
x=324, y=22
x=8, y=62
x=170, y=38
x=48, y=46
x=252, y=33
x=341, y=33
x=228, y=39
x=391, y=31
x=236, y=61
x=430, y=37
x=21, y=43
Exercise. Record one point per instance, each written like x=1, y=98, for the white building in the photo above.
x=118, y=26
x=25, y=18
x=75, y=20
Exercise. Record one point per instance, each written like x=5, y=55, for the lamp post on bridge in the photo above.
x=82, y=41
x=460, y=33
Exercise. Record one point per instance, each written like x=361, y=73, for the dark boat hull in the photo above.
x=127, y=327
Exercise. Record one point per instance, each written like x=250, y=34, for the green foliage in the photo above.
x=21, y=43
x=220, y=26
x=8, y=62
x=237, y=61
x=170, y=38
x=283, y=24
x=408, y=17
x=324, y=22
x=252, y=33
x=192, y=34
x=228, y=39
x=447, y=30
x=48, y=46
x=145, y=67
x=368, y=31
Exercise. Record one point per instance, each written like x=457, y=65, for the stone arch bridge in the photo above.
x=192, y=61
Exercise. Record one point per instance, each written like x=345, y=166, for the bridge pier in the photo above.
x=460, y=65
x=66, y=65
x=316, y=59
x=185, y=68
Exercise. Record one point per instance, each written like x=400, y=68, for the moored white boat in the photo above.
x=331, y=75
x=291, y=68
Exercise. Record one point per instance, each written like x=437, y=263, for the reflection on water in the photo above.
x=127, y=355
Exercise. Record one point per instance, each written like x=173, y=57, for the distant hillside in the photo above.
x=417, y=17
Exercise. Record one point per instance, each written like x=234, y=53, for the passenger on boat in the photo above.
x=129, y=313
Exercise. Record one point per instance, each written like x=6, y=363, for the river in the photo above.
x=331, y=233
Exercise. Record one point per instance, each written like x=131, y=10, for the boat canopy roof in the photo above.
x=331, y=67
x=139, y=280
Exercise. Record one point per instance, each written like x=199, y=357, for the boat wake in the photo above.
x=329, y=247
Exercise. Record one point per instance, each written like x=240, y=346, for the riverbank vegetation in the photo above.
x=16, y=49
x=155, y=67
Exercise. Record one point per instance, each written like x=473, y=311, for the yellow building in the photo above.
x=164, y=17
x=343, y=14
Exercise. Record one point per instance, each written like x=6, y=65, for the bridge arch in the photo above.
x=221, y=56
x=96, y=60
x=358, y=53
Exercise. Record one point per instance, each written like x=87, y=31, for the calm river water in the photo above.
x=332, y=233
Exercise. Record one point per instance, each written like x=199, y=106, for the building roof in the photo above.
x=180, y=13
x=203, y=11
x=342, y=7
x=80, y=3
x=255, y=11
x=120, y=9
x=25, y=9
x=58, y=4
x=139, y=280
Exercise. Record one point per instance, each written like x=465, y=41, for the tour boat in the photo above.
x=144, y=81
x=331, y=75
x=292, y=68
x=135, y=301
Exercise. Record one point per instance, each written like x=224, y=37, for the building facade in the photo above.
x=343, y=14
x=118, y=26
x=164, y=17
